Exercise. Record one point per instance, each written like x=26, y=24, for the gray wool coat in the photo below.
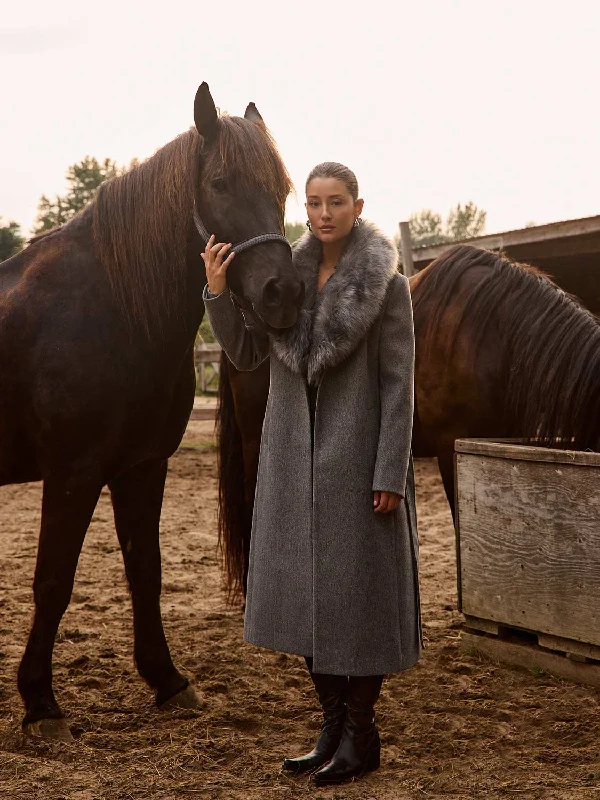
x=328, y=577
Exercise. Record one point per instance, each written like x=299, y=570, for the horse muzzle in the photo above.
x=279, y=302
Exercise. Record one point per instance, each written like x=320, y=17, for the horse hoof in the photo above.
x=56, y=729
x=188, y=698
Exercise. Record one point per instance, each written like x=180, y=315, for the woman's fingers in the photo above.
x=217, y=252
x=393, y=502
x=221, y=254
x=209, y=244
x=214, y=255
x=216, y=259
x=212, y=248
x=384, y=502
x=379, y=502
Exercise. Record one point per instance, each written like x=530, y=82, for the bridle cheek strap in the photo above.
x=240, y=246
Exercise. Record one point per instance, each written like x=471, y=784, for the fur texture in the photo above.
x=332, y=323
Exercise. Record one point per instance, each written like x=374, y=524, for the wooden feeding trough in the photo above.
x=528, y=555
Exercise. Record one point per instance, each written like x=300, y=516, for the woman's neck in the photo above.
x=332, y=252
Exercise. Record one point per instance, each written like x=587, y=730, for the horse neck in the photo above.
x=141, y=227
x=520, y=355
x=195, y=282
x=547, y=350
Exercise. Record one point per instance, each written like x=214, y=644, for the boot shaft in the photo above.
x=360, y=747
x=332, y=691
x=363, y=693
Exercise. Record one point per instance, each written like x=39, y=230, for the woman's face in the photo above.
x=331, y=209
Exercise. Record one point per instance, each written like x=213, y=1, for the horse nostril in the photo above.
x=272, y=293
x=277, y=293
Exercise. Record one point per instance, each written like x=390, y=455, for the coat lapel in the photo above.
x=332, y=323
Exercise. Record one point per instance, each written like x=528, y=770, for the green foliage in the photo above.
x=538, y=672
x=294, y=230
x=83, y=180
x=463, y=222
x=206, y=336
x=205, y=333
x=11, y=240
x=426, y=228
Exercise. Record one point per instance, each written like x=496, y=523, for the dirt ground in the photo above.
x=454, y=726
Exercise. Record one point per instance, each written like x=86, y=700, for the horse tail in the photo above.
x=232, y=515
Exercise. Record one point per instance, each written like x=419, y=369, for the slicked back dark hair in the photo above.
x=332, y=169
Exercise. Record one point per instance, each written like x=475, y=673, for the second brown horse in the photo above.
x=501, y=351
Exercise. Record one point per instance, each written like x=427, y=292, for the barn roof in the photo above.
x=574, y=235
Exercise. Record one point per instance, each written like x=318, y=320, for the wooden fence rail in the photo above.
x=207, y=354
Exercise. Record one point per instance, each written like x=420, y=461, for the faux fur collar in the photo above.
x=333, y=322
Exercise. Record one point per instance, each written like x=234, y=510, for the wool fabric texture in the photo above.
x=328, y=577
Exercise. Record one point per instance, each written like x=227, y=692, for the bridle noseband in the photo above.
x=240, y=246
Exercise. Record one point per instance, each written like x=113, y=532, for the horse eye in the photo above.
x=219, y=185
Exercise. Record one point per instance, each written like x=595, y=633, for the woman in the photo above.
x=333, y=558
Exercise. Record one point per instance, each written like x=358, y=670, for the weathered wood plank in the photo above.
x=406, y=247
x=479, y=624
x=569, y=646
x=207, y=353
x=509, y=448
x=532, y=658
x=457, y=538
x=208, y=347
x=530, y=544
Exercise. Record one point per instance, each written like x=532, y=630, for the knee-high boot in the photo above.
x=360, y=748
x=331, y=691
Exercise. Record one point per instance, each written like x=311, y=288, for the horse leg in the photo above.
x=67, y=508
x=445, y=457
x=137, y=496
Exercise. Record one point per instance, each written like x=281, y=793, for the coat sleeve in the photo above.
x=396, y=376
x=245, y=345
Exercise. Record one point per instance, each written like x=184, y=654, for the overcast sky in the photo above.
x=431, y=103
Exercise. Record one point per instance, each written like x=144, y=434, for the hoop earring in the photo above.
x=357, y=222
x=308, y=225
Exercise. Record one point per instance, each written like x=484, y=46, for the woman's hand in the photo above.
x=216, y=267
x=384, y=502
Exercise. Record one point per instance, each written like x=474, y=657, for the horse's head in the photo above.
x=243, y=186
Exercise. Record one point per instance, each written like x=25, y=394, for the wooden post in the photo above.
x=206, y=354
x=406, y=249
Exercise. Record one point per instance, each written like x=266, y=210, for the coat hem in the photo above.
x=278, y=649
x=383, y=668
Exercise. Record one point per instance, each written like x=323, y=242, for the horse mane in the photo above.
x=551, y=376
x=142, y=219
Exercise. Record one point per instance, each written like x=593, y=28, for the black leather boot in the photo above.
x=360, y=748
x=331, y=691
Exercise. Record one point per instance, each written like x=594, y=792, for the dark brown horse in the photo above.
x=501, y=351
x=97, y=326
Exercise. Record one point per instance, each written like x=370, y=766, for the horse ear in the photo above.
x=252, y=114
x=205, y=113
